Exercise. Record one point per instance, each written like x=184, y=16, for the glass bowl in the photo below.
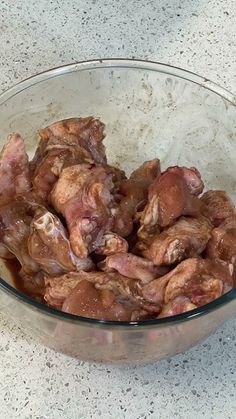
x=150, y=110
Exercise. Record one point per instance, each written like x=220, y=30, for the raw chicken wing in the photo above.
x=83, y=195
x=134, y=192
x=132, y=266
x=218, y=207
x=186, y=238
x=14, y=169
x=200, y=280
x=49, y=246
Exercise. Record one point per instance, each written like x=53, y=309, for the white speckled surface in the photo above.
x=198, y=35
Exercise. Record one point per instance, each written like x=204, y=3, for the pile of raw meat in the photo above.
x=92, y=242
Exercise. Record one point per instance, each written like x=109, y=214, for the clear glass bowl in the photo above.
x=150, y=110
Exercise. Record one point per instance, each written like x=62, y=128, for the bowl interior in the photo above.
x=149, y=111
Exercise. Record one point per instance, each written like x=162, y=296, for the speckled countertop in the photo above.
x=198, y=35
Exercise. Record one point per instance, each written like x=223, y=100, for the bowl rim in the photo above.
x=122, y=63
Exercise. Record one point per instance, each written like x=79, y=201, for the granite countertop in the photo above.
x=36, y=382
